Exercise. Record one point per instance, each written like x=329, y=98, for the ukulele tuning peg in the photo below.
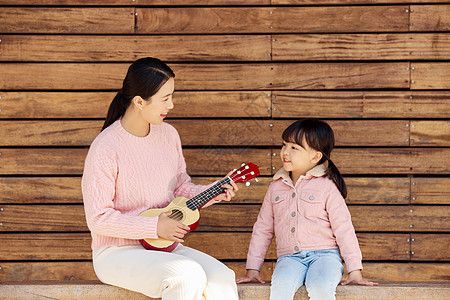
x=247, y=183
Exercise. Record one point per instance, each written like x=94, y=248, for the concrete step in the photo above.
x=252, y=291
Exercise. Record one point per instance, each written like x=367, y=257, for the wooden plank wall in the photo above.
x=378, y=71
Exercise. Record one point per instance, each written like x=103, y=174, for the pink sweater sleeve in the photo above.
x=343, y=230
x=98, y=187
x=263, y=232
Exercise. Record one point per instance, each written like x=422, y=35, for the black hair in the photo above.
x=144, y=78
x=320, y=137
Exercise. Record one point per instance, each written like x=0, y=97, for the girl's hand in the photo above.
x=355, y=277
x=170, y=229
x=251, y=275
x=230, y=191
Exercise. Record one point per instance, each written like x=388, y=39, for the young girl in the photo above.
x=304, y=207
x=134, y=164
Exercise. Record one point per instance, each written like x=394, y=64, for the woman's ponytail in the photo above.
x=116, y=109
x=333, y=173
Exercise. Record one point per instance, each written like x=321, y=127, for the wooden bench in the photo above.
x=251, y=291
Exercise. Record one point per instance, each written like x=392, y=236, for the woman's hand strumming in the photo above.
x=170, y=229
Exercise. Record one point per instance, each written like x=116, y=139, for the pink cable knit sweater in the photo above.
x=125, y=175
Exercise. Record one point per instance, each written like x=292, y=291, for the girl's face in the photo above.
x=299, y=159
x=155, y=110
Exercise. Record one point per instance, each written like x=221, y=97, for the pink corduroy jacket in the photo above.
x=312, y=215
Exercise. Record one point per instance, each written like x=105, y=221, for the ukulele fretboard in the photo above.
x=207, y=195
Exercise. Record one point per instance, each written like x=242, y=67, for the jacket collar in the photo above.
x=317, y=171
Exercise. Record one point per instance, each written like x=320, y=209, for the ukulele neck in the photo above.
x=202, y=198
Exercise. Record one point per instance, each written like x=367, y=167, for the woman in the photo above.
x=134, y=164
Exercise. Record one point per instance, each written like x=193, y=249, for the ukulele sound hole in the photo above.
x=176, y=215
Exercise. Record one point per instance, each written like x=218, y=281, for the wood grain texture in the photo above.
x=40, y=190
x=70, y=105
x=429, y=75
x=272, y=19
x=430, y=133
x=426, y=190
x=358, y=133
x=389, y=161
x=320, y=76
x=427, y=247
x=72, y=76
x=390, y=46
x=210, y=133
x=67, y=20
x=373, y=190
x=88, y=48
x=430, y=17
x=364, y=104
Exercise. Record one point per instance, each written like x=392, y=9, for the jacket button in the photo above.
x=277, y=198
x=311, y=197
x=293, y=195
x=292, y=229
x=293, y=214
x=296, y=249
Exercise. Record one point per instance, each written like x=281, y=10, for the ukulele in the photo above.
x=186, y=210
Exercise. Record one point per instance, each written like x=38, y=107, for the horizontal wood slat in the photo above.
x=358, y=133
x=239, y=104
x=236, y=132
x=76, y=246
x=208, y=3
x=67, y=20
x=136, y=2
x=80, y=271
x=85, y=48
x=430, y=18
x=426, y=190
x=430, y=75
x=272, y=19
x=389, y=161
x=391, y=46
x=340, y=104
x=430, y=133
x=206, y=161
x=306, y=47
x=430, y=246
x=70, y=218
x=217, y=161
x=40, y=190
x=361, y=190
x=71, y=76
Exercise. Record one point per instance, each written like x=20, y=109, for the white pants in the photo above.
x=183, y=274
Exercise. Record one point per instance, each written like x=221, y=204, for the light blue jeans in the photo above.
x=320, y=270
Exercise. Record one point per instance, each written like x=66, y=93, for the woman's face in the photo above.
x=155, y=110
